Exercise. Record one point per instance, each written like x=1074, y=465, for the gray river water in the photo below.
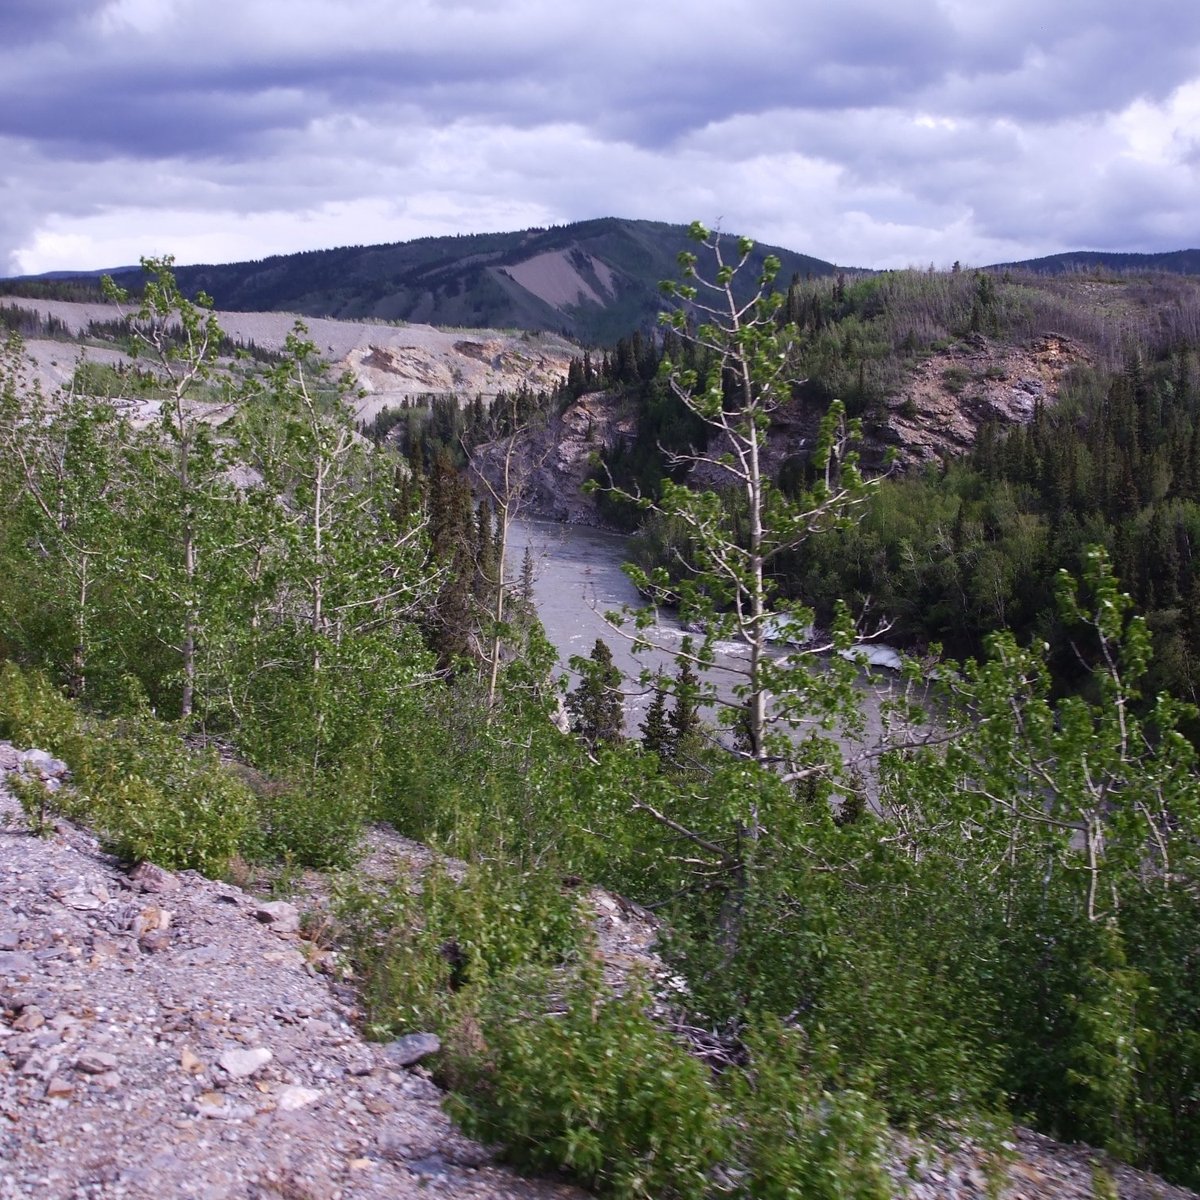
x=578, y=578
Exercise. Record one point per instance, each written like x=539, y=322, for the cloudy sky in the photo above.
x=869, y=132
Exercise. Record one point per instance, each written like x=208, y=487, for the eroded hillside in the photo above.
x=389, y=363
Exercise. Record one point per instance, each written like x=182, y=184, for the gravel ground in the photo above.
x=389, y=362
x=173, y=1042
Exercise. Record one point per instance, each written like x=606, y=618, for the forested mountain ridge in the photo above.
x=593, y=280
x=1179, y=262
x=927, y=360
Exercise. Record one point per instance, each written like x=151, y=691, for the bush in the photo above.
x=422, y=953
x=33, y=712
x=568, y=1078
x=800, y=1139
x=147, y=794
x=314, y=821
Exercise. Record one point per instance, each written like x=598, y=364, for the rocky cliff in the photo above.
x=548, y=466
x=943, y=402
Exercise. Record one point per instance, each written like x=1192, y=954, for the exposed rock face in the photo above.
x=944, y=402
x=550, y=465
x=390, y=363
x=951, y=394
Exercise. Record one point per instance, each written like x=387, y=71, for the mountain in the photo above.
x=1177, y=262
x=593, y=280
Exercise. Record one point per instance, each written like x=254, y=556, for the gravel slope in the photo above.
x=165, y=1036
x=389, y=362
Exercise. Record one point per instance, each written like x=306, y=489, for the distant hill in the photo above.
x=593, y=280
x=1178, y=262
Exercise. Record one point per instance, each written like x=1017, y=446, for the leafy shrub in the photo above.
x=798, y=1138
x=568, y=1078
x=36, y=801
x=421, y=953
x=149, y=796
x=315, y=821
x=33, y=712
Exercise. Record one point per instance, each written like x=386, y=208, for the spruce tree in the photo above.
x=595, y=705
x=656, y=729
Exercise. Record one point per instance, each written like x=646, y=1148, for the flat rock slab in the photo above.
x=411, y=1048
x=241, y=1064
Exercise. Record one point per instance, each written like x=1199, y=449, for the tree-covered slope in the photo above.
x=594, y=280
x=1179, y=262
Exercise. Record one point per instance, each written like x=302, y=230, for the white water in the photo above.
x=578, y=578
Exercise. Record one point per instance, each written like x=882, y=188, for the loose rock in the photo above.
x=280, y=915
x=411, y=1048
x=241, y=1064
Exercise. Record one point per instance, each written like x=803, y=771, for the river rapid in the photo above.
x=578, y=578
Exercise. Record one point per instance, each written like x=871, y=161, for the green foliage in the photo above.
x=36, y=801
x=800, y=1139
x=955, y=553
x=424, y=954
x=35, y=713
x=596, y=703
x=314, y=821
x=1008, y=911
x=133, y=779
x=567, y=1078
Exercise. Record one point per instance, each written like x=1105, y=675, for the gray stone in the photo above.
x=154, y=879
x=293, y=1098
x=241, y=1064
x=16, y=964
x=96, y=1062
x=279, y=914
x=411, y=1048
x=433, y=1167
x=38, y=762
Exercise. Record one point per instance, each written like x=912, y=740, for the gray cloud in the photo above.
x=867, y=129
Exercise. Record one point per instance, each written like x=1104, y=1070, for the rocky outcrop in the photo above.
x=950, y=395
x=550, y=465
x=943, y=402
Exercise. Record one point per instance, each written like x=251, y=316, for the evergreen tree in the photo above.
x=685, y=713
x=657, y=735
x=595, y=706
x=525, y=588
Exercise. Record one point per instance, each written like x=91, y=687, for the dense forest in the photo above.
x=991, y=914
x=953, y=551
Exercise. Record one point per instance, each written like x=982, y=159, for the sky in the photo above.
x=872, y=133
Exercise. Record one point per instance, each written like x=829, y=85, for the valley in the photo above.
x=257, y=627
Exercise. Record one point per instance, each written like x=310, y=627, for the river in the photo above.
x=578, y=578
